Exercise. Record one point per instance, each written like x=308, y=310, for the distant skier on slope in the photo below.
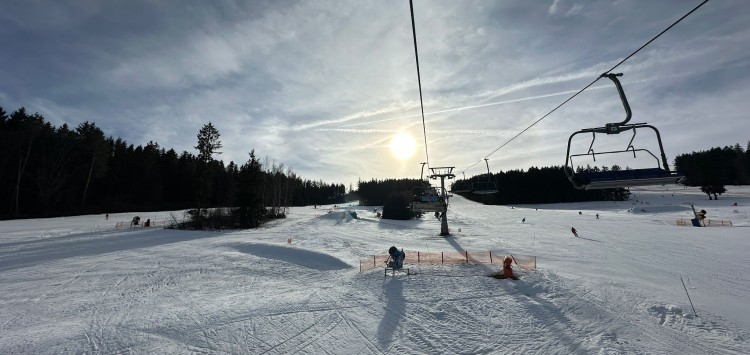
x=396, y=258
x=574, y=231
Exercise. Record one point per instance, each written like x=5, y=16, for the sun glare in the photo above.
x=403, y=145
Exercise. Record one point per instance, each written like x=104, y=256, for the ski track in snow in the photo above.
x=74, y=285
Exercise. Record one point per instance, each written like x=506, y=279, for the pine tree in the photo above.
x=208, y=143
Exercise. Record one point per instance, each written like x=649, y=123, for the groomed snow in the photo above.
x=78, y=285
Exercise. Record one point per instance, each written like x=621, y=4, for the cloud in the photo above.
x=321, y=86
x=558, y=6
x=553, y=8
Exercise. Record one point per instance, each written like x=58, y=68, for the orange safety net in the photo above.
x=451, y=257
x=706, y=223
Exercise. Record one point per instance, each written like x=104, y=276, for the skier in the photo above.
x=575, y=233
x=597, y=216
x=396, y=258
x=523, y=220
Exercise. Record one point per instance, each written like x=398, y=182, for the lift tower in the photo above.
x=442, y=173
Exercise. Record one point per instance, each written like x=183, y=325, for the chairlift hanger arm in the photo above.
x=614, y=128
x=489, y=177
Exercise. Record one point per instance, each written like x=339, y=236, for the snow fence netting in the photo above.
x=527, y=262
x=706, y=223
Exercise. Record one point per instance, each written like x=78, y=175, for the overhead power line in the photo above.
x=587, y=86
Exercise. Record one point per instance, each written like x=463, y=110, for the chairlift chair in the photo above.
x=426, y=199
x=461, y=186
x=484, y=187
x=585, y=180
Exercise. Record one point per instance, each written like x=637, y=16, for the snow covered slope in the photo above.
x=78, y=285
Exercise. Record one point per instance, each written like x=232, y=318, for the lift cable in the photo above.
x=419, y=80
x=592, y=83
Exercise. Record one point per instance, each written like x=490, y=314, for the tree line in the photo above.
x=58, y=171
x=375, y=192
x=55, y=171
x=533, y=186
x=714, y=168
x=538, y=185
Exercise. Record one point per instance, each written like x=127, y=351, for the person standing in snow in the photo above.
x=523, y=220
x=597, y=216
x=573, y=230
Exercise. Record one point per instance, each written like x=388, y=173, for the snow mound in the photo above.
x=340, y=216
x=668, y=311
x=305, y=258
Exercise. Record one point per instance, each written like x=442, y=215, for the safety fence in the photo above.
x=450, y=257
x=142, y=224
x=706, y=223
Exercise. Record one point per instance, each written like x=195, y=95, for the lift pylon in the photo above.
x=443, y=173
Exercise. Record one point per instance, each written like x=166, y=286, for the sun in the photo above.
x=403, y=145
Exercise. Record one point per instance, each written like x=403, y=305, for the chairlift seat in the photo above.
x=460, y=188
x=423, y=200
x=433, y=206
x=483, y=188
x=626, y=178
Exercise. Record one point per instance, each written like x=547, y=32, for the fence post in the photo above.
x=373, y=261
x=490, y=257
x=467, y=256
x=417, y=257
x=442, y=258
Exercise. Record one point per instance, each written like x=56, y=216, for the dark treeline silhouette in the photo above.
x=715, y=168
x=57, y=171
x=538, y=185
x=375, y=192
x=395, y=195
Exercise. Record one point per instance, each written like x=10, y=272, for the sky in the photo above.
x=323, y=86
x=633, y=282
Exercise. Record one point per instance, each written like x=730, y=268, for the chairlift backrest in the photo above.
x=460, y=187
x=484, y=187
